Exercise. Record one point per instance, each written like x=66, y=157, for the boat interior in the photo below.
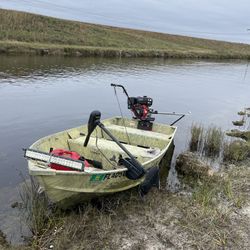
x=144, y=145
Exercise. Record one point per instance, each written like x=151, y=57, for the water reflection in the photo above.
x=41, y=95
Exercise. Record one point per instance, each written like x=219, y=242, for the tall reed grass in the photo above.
x=211, y=142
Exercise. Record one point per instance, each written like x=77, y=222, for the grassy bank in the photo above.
x=34, y=34
x=208, y=211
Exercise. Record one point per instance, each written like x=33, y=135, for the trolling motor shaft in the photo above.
x=135, y=169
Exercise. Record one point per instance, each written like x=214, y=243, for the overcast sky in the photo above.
x=216, y=19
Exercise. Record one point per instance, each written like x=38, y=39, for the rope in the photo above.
x=96, y=143
x=246, y=71
x=119, y=105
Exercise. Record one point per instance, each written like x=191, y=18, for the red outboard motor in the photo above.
x=140, y=107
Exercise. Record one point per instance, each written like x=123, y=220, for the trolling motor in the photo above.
x=140, y=106
x=135, y=170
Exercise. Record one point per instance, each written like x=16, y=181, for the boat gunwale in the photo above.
x=42, y=171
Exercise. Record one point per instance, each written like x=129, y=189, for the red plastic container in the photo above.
x=66, y=154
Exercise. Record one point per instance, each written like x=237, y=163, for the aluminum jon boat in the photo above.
x=100, y=158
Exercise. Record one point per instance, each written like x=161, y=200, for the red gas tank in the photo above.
x=66, y=154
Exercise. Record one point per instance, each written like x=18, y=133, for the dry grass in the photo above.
x=213, y=141
x=235, y=151
x=196, y=140
x=207, y=213
x=207, y=142
x=38, y=214
x=28, y=33
x=200, y=216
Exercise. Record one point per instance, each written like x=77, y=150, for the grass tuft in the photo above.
x=235, y=151
x=207, y=142
x=213, y=141
x=39, y=215
x=196, y=140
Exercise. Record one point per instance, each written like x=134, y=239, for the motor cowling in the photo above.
x=140, y=106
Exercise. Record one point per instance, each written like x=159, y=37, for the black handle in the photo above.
x=94, y=119
x=120, y=86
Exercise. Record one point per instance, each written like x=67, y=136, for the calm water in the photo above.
x=42, y=95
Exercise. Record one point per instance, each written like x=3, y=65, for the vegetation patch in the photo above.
x=213, y=141
x=22, y=32
x=206, y=141
x=235, y=151
x=196, y=141
x=238, y=123
x=3, y=242
x=205, y=214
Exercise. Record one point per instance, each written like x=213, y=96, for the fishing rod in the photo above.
x=140, y=106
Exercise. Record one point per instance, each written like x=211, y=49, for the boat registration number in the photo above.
x=102, y=177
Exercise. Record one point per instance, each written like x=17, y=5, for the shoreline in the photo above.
x=31, y=34
x=43, y=49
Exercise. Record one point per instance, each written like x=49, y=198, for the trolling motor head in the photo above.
x=94, y=120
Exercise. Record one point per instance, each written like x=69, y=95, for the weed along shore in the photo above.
x=24, y=33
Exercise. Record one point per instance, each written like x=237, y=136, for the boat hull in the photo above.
x=69, y=187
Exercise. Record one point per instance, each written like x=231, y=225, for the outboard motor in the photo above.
x=141, y=108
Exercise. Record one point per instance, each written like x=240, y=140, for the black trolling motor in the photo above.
x=135, y=169
x=141, y=108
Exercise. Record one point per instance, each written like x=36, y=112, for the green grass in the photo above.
x=235, y=151
x=195, y=143
x=206, y=141
x=213, y=141
x=28, y=33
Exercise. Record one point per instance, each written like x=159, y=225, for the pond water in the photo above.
x=43, y=95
